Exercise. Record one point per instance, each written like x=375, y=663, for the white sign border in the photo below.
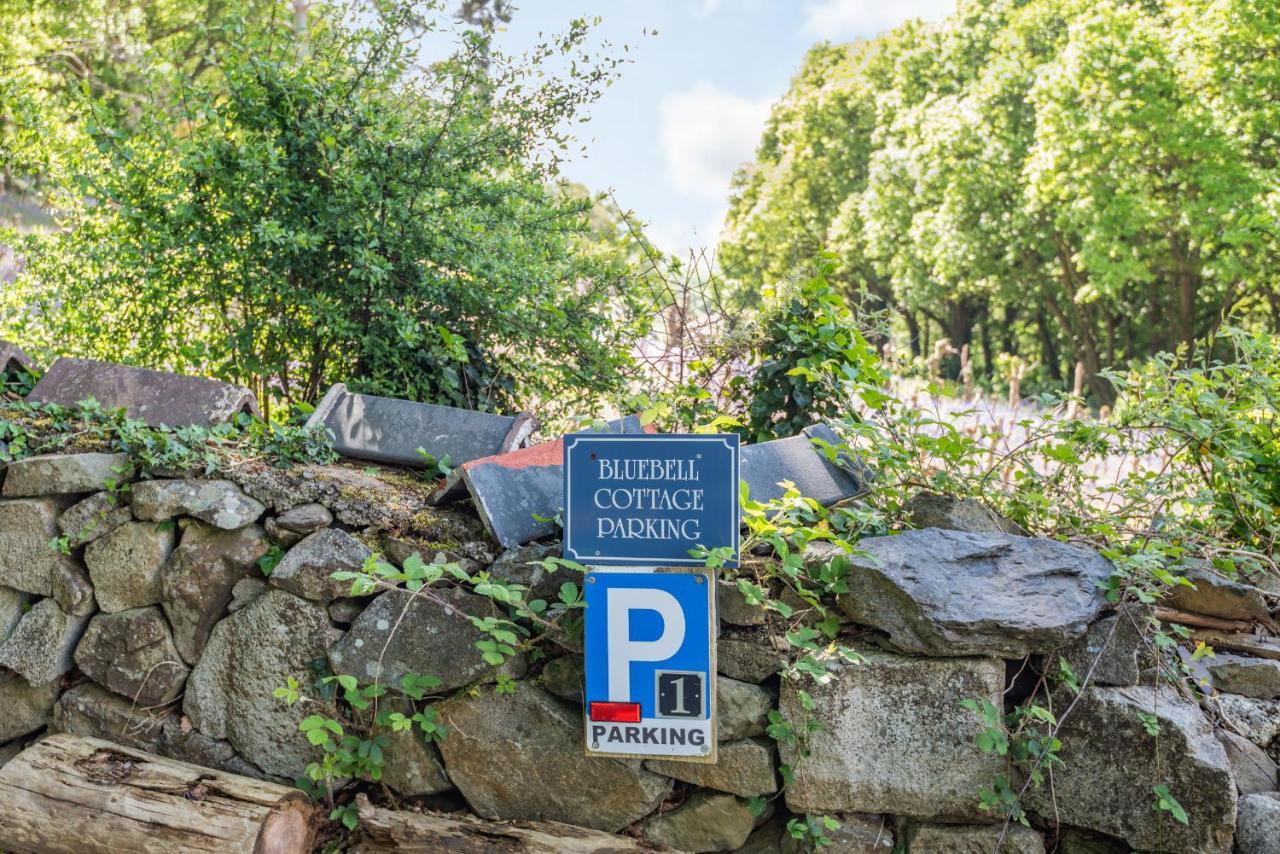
x=644, y=562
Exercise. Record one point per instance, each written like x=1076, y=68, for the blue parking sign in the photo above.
x=650, y=499
x=650, y=664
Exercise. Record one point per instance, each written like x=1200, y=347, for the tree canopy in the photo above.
x=1062, y=179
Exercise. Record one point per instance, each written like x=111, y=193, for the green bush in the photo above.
x=812, y=358
x=320, y=209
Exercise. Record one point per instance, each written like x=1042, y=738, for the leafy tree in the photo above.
x=1060, y=179
x=324, y=209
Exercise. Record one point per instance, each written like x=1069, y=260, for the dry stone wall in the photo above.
x=139, y=611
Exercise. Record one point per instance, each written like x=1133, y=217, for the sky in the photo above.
x=690, y=106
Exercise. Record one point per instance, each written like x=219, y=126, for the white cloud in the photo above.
x=844, y=19
x=705, y=134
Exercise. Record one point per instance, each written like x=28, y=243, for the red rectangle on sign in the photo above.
x=617, y=713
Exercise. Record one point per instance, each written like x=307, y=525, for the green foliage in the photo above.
x=29, y=429
x=1218, y=419
x=813, y=357
x=1062, y=180
x=316, y=207
x=267, y=563
x=813, y=829
x=1166, y=802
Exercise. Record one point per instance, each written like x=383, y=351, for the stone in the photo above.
x=14, y=360
x=944, y=593
x=132, y=653
x=292, y=525
x=413, y=767
x=197, y=581
x=26, y=707
x=1255, y=719
x=73, y=591
x=519, y=494
x=1075, y=841
x=156, y=397
x=433, y=638
x=219, y=502
x=857, y=834
x=92, y=711
x=565, y=678
x=707, y=821
x=397, y=550
x=931, y=510
x=810, y=461
x=1240, y=674
x=63, y=474
x=518, y=566
x=41, y=646
x=27, y=563
x=250, y=654
x=1250, y=765
x=894, y=738
x=10, y=751
x=733, y=607
x=768, y=838
x=390, y=430
x=1267, y=582
x=245, y=591
x=306, y=570
x=1111, y=761
x=305, y=518
x=356, y=497
x=1258, y=824
x=93, y=517
x=1112, y=651
x=125, y=565
x=13, y=604
x=742, y=709
x=745, y=768
x=962, y=839
x=748, y=656
x=346, y=610
x=179, y=740
x=1216, y=596
x=537, y=742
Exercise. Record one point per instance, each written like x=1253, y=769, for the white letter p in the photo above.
x=623, y=650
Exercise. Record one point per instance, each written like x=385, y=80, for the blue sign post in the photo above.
x=650, y=665
x=649, y=499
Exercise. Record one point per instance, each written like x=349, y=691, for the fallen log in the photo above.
x=72, y=794
x=1259, y=645
x=1186, y=618
x=383, y=831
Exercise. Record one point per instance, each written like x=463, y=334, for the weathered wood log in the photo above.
x=382, y=830
x=1186, y=618
x=73, y=794
x=1259, y=645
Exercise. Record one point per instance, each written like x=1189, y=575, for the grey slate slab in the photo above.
x=156, y=397
x=389, y=430
x=14, y=359
x=800, y=461
x=510, y=490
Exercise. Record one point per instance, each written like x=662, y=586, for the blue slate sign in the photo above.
x=650, y=664
x=649, y=499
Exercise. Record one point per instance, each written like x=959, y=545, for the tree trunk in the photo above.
x=75, y=795
x=913, y=332
x=1049, y=349
x=1079, y=326
x=383, y=830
